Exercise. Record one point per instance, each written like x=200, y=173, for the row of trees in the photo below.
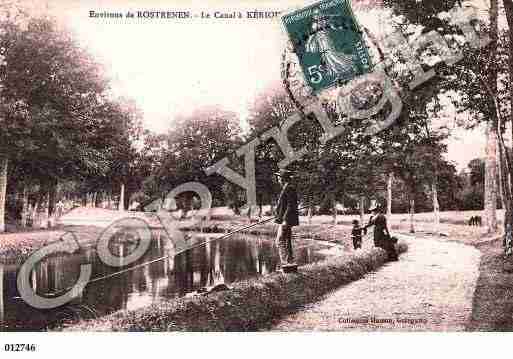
x=346, y=170
x=61, y=130
x=479, y=84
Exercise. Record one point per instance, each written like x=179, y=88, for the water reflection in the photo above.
x=217, y=261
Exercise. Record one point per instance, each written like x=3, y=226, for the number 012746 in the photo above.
x=20, y=347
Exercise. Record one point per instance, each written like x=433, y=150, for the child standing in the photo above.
x=356, y=234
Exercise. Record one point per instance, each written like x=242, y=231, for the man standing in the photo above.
x=287, y=216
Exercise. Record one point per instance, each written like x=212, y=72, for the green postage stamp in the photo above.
x=328, y=42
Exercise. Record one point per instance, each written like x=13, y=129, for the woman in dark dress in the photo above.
x=382, y=238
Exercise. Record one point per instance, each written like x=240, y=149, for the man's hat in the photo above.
x=376, y=207
x=283, y=173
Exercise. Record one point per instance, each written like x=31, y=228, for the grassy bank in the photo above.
x=492, y=305
x=248, y=305
x=15, y=248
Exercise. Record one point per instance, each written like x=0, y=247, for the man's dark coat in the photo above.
x=287, y=210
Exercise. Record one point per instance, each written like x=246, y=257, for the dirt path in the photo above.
x=429, y=289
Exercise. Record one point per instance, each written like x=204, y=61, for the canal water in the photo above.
x=217, y=261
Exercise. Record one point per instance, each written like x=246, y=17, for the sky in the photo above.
x=171, y=66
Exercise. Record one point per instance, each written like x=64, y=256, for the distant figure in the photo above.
x=475, y=221
x=382, y=238
x=287, y=216
x=59, y=208
x=356, y=234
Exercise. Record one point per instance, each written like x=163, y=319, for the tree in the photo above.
x=269, y=109
x=492, y=126
x=506, y=158
x=195, y=142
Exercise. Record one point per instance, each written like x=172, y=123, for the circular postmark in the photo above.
x=363, y=96
x=293, y=80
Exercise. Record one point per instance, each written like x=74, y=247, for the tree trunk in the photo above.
x=362, y=209
x=2, y=311
x=34, y=214
x=334, y=204
x=500, y=166
x=4, y=162
x=52, y=201
x=436, y=208
x=25, y=207
x=490, y=200
x=128, y=195
x=45, y=223
x=506, y=179
x=389, y=198
x=508, y=7
x=99, y=200
x=41, y=209
x=108, y=200
x=412, y=213
x=52, y=197
x=122, y=198
x=508, y=200
x=37, y=216
x=310, y=211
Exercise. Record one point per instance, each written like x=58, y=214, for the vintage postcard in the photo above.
x=245, y=166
